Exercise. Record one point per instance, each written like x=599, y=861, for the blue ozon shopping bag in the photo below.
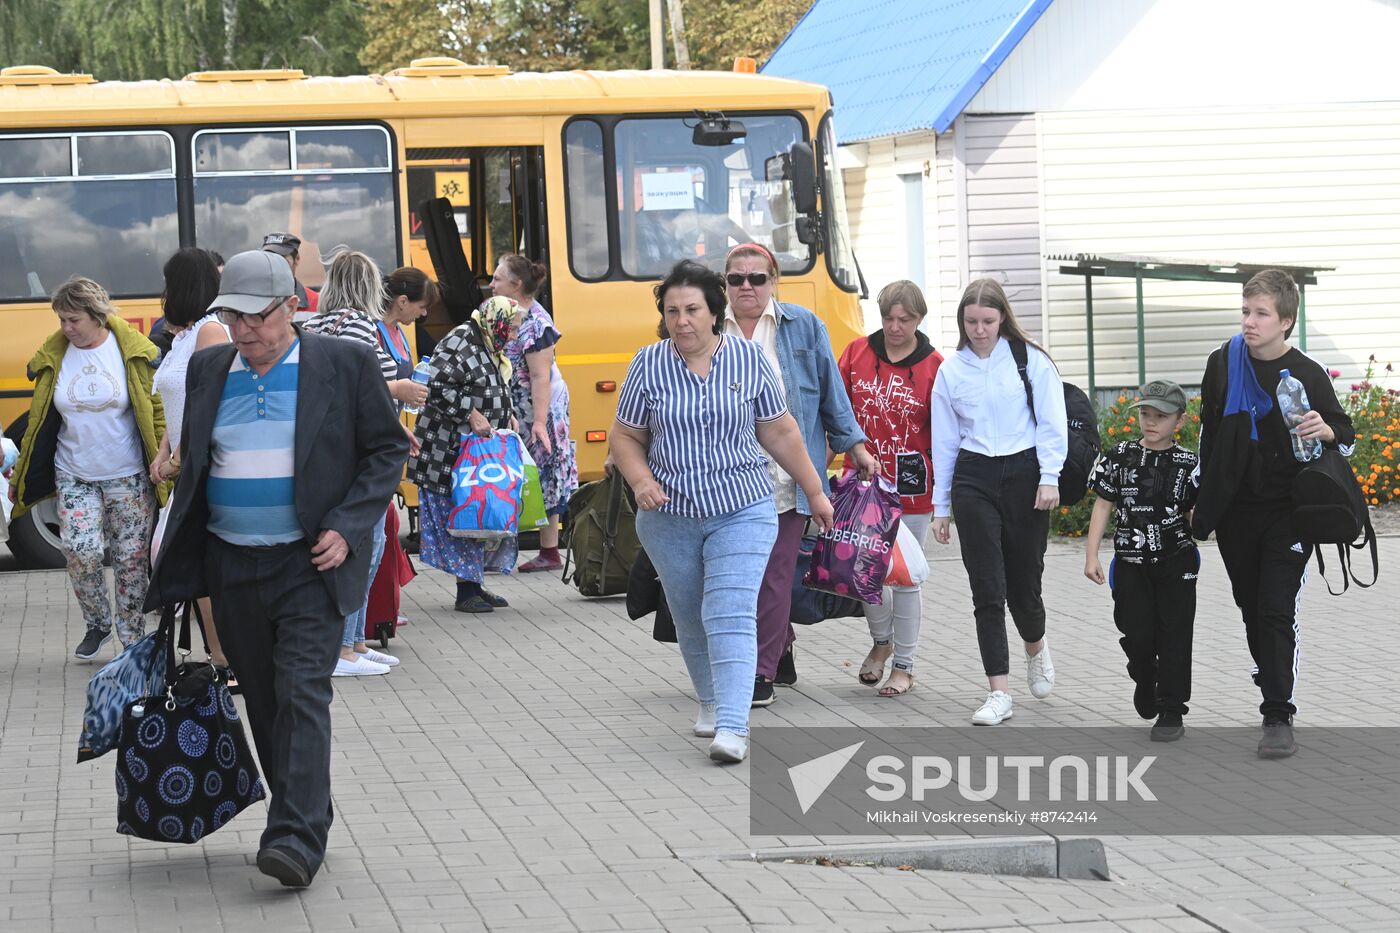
x=487, y=481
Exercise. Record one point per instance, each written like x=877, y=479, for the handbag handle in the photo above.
x=167, y=630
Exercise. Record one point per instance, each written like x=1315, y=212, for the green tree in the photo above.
x=136, y=39
x=719, y=31
x=30, y=34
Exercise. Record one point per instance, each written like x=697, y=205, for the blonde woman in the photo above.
x=94, y=429
x=354, y=297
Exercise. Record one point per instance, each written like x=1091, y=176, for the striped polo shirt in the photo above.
x=704, y=449
x=251, y=459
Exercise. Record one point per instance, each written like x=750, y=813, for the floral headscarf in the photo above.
x=494, y=317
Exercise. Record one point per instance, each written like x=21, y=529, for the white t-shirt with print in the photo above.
x=98, y=438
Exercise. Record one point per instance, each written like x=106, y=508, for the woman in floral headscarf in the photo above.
x=468, y=390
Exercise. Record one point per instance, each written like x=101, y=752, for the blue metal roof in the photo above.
x=895, y=66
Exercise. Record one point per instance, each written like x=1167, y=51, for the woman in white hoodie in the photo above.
x=996, y=465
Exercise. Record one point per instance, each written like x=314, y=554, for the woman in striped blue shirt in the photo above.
x=696, y=413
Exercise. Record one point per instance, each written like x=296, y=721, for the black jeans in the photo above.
x=1002, y=536
x=1268, y=566
x=1154, y=606
x=281, y=631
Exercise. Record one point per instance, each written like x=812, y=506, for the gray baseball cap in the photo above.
x=253, y=280
x=1163, y=395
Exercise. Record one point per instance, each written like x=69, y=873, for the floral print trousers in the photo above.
x=115, y=515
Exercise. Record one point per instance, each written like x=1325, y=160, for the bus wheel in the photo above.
x=34, y=535
x=34, y=538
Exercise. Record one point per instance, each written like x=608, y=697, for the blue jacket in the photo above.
x=816, y=396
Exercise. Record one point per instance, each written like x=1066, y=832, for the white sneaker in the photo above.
x=996, y=710
x=359, y=667
x=729, y=747
x=705, y=721
x=1040, y=672
x=378, y=657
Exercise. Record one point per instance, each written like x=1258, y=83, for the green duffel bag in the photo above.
x=601, y=526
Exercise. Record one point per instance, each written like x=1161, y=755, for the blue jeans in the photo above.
x=355, y=621
x=711, y=569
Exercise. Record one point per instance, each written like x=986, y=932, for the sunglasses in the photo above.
x=756, y=279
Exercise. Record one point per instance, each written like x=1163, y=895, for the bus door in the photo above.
x=497, y=195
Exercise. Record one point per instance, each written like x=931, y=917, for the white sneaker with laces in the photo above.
x=729, y=747
x=360, y=667
x=1040, y=671
x=378, y=657
x=705, y=721
x=995, y=710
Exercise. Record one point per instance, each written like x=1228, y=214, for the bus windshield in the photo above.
x=679, y=200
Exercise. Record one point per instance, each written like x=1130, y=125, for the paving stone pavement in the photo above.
x=533, y=769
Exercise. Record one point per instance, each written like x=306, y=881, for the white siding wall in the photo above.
x=981, y=216
x=1317, y=185
x=1138, y=54
x=1003, y=210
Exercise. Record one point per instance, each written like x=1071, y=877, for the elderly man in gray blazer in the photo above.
x=290, y=448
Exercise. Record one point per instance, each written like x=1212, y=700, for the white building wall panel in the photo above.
x=1309, y=185
x=1139, y=54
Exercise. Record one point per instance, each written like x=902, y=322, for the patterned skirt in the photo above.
x=464, y=558
x=559, y=467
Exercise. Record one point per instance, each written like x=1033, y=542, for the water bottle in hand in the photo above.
x=1293, y=405
x=420, y=376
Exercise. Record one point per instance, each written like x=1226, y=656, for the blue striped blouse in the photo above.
x=704, y=449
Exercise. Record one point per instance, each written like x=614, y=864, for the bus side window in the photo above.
x=109, y=214
x=587, y=204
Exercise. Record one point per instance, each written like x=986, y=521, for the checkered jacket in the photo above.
x=462, y=376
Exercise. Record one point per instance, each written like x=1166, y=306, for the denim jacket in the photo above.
x=816, y=396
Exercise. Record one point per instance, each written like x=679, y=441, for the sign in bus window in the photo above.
x=679, y=200
x=127, y=154
x=243, y=152
x=36, y=157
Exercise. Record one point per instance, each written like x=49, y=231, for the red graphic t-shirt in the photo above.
x=891, y=402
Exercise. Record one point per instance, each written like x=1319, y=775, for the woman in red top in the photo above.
x=889, y=377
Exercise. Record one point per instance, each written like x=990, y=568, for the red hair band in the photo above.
x=758, y=246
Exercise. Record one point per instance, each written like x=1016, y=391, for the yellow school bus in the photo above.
x=607, y=177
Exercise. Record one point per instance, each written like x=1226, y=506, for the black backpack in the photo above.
x=1328, y=508
x=1082, y=421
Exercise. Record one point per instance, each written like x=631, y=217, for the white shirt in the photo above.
x=765, y=334
x=980, y=405
x=170, y=377
x=97, y=437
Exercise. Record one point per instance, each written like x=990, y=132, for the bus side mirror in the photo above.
x=803, y=169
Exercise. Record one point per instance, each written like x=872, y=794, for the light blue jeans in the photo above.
x=355, y=621
x=711, y=569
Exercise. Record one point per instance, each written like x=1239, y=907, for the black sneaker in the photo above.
x=1145, y=699
x=787, y=669
x=1168, y=728
x=762, y=691
x=474, y=603
x=286, y=865
x=496, y=601
x=1277, y=741
x=92, y=643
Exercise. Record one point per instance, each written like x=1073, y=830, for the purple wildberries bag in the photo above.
x=853, y=558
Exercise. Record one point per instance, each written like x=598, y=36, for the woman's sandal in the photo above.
x=872, y=671
x=888, y=691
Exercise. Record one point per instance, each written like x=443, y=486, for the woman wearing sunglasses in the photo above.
x=797, y=346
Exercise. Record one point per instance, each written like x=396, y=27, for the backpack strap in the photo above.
x=1322, y=569
x=1018, y=353
x=1368, y=542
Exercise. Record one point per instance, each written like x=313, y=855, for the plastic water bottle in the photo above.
x=1293, y=405
x=420, y=376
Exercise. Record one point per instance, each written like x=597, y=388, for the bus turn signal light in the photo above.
x=596, y=437
x=607, y=385
x=745, y=65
